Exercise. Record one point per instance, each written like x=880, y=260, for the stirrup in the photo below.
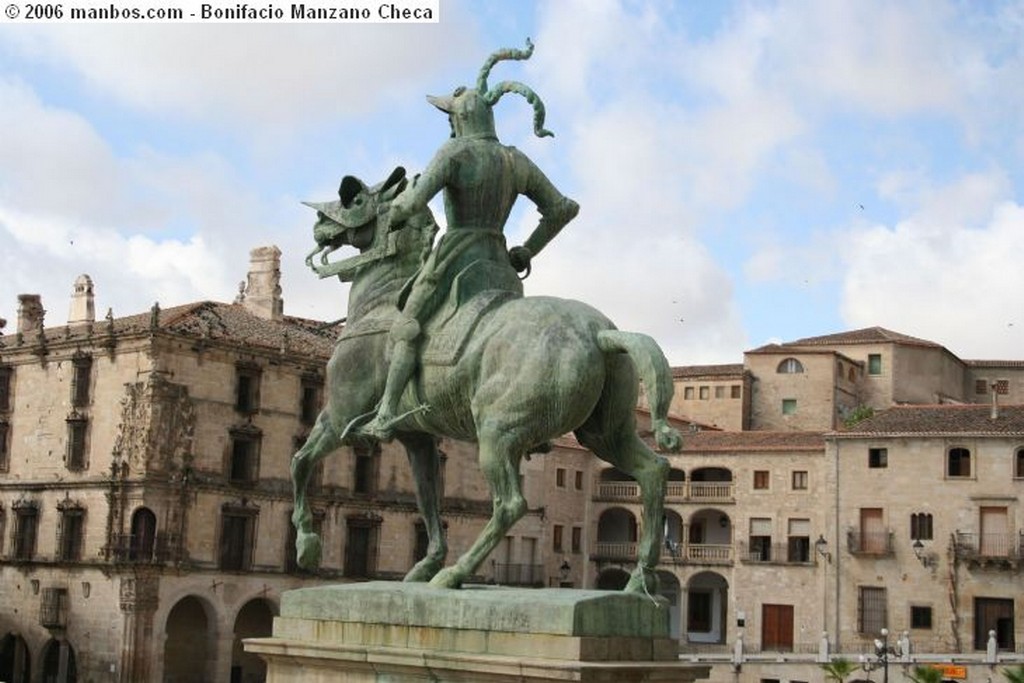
x=382, y=428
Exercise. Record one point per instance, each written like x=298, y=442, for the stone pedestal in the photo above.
x=388, y=632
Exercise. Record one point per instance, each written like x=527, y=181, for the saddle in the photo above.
x=480, y=287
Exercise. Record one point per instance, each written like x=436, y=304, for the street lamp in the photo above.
x=821, y=547
x=927, y=561
x=882, y=653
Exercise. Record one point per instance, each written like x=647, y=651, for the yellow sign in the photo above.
x=951, y=670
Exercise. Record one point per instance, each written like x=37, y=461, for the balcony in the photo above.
x=675, y=553
x=519, y=574
x=676, y=491
x=615, y=550
x=991, y=550
x=125, y=548
x=870, y=543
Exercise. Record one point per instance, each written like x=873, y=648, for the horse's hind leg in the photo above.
x=613, y=438
x=426, y=471
x=501, y=469
x=322, y=440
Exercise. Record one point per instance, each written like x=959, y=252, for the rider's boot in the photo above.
x=403, y=362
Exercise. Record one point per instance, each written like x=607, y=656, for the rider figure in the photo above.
x=481, y=179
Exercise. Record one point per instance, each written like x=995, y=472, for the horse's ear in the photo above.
x=397, y=176
x=349, y=188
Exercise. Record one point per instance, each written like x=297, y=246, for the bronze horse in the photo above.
x=533, y=369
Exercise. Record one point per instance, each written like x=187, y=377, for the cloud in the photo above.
x=252, y=74
x=947, y=272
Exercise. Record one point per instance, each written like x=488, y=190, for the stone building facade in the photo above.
x=145, y=497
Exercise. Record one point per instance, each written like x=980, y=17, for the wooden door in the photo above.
x=873, y=535
x=995, y=536
x=777, y=628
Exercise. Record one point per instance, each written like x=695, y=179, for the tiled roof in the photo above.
x=230, y=323
x=995, y=363
x=938, y=420
x=730, y=370
x=708, y=441
x=867, y=335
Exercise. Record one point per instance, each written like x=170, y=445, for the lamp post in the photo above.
x=882, y=654
x=821, y=547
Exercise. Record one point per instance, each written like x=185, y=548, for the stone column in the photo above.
x=139, y=600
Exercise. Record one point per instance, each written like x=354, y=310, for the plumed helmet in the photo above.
x=470, y=109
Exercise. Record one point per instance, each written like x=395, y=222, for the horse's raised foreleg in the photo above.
x=501, y=469
x=322, y=440
x=425, y=461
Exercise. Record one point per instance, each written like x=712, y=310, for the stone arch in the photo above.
x=707, y=599
x=616, y=525
x=15, y=659
x=612, y=579
x=254, y=620
x=58, y=658
x=190, y=649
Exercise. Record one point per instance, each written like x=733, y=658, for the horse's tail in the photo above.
x=656, y=376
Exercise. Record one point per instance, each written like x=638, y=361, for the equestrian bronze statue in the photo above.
x=440, y=341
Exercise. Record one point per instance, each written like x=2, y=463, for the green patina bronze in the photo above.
x=440, y=341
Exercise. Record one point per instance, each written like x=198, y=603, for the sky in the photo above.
x=748, y=172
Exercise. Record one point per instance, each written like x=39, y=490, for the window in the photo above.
x=798, y=546
x=5, y=449
x=364, y=479
x=878, y=458
x=361, y=546
x=871, y=610
x=310, y=399
x=874, y=364
x=6, y=373
x=53, y=610
x=719, y=392
x=800, y=480
x=26, y=521
x=1018, y=463
x=75, y=458
x=920, y=617
x=143, y=538
x=789, y=406
x=560, y=477
x=958, y=462
x=790, y=366
x=579, y=480
x=921, y=526
x=577, y=539
x=70, y=531
x=735, y=391
x=244, y=465
x=3, y=529
x=237, y=538
x=705, y=393
x=760, y=540
x=688, y=393
x=1003, y=386
x=81, y=374
x=761, y=480
x=981, y=387
x=556, y=538
x=247, y=389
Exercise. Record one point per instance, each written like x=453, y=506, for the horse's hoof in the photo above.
x=449, y=577
x=307, y=547
x=423, y=571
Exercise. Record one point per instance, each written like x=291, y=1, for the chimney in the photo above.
x=30, y=313
x=262, y=296
x=83, y=307
x=994, y=415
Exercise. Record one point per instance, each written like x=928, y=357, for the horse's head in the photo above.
x=352, y=219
